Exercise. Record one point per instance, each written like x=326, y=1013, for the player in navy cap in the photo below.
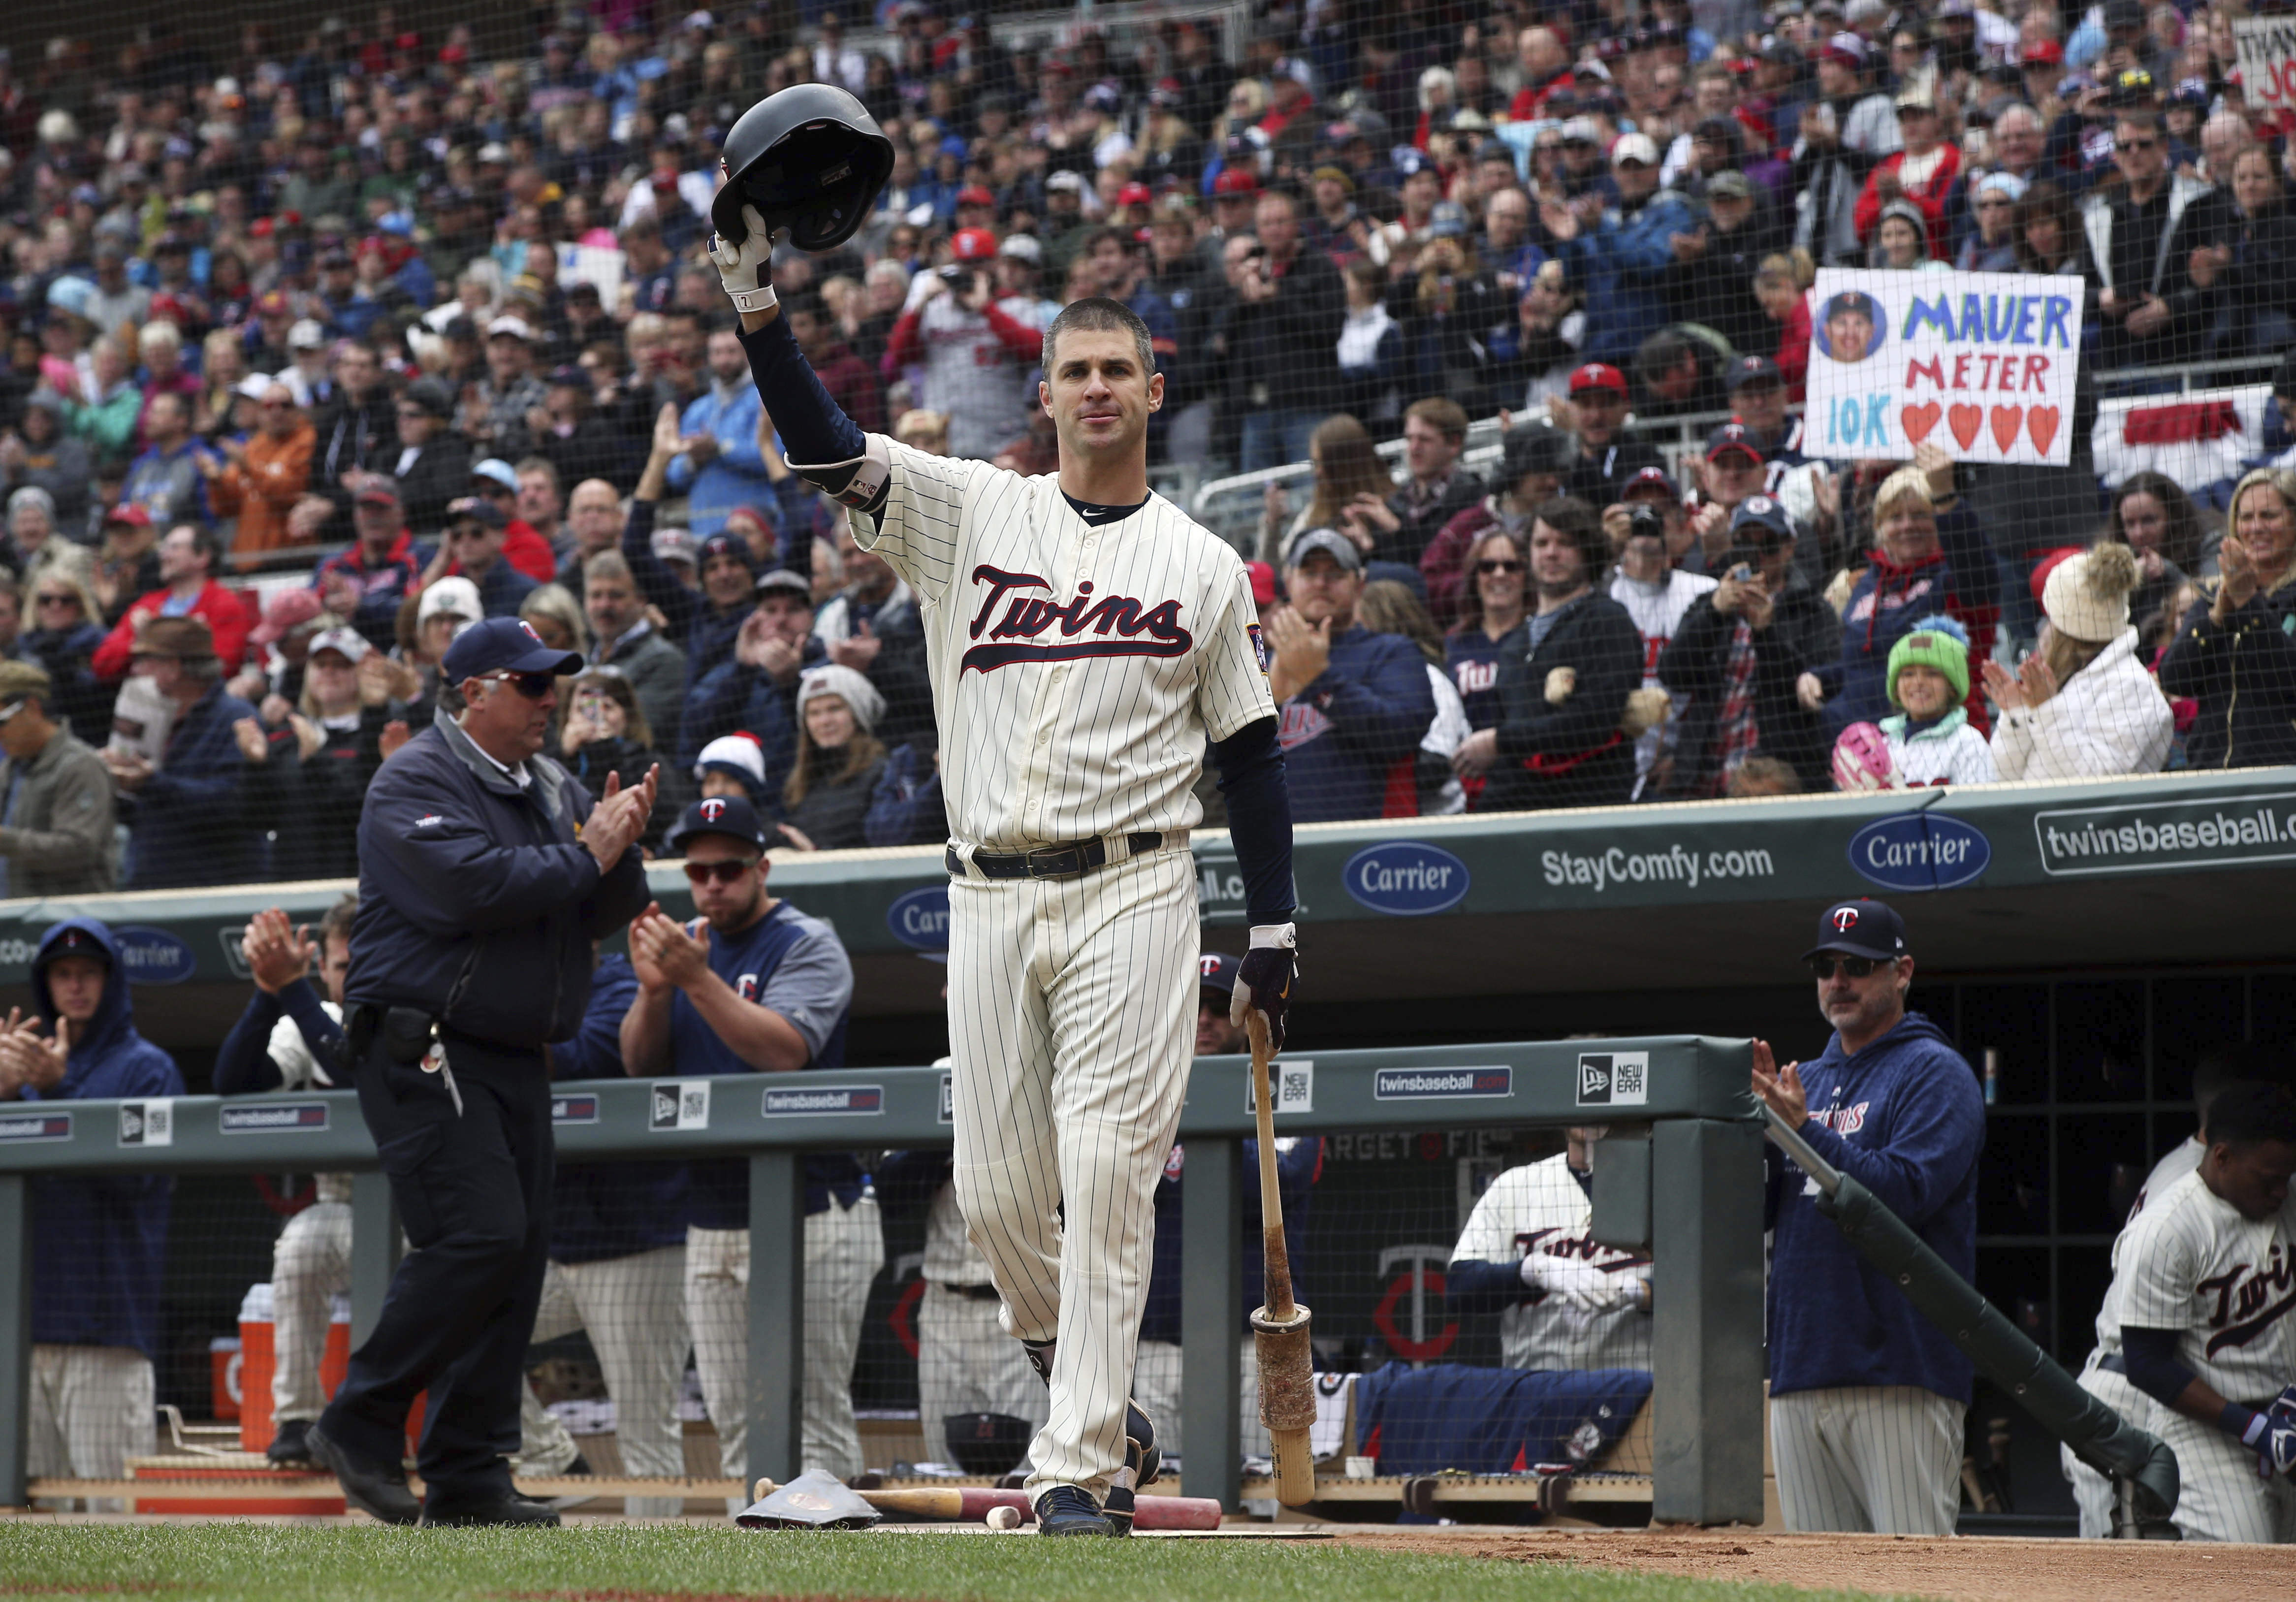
x=1215, y=1035
x=1852, y=324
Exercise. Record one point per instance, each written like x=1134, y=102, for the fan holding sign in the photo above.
x=1981, y=365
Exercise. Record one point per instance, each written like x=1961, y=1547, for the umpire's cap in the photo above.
x=811, y=160
x=730, y=816
x=1860, y=928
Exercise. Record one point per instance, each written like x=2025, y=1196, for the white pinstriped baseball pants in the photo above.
x=1884, y=1460
x=2092, y=1491
x=2221, y=1498
x=91, y=1410
x=634, y=1307
x=967, y=1363
x=310, y=1267
x=1072, y=1021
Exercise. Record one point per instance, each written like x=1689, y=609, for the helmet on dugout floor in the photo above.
x=811, y=160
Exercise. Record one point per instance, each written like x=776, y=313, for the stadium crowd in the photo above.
x=320, y=348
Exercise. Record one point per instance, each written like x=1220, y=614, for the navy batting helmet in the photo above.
x=811, y=160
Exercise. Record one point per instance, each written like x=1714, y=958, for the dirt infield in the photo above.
x=1986, y=1570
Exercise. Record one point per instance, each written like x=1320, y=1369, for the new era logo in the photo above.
x=1614, y=1078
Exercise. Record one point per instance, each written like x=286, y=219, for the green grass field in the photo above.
x=660, y=1563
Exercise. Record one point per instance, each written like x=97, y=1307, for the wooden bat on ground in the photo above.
x=1279, y=1329
x=970, y=1504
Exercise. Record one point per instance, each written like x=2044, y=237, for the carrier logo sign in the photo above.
x=1616, y=1079
x=1406, y=878
x=153, y=956
x=919, y=919
x=679, y=1103
x=844, y=1098
x=35, y=1126
x=1920, y=850
x=277, y=1118
x=148, y=1122
x=573, y=1109
x=1416, y=1084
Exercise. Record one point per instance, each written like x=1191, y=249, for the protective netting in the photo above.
x=1408, y=276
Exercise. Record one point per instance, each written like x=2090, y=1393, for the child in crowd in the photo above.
x=1930, y=741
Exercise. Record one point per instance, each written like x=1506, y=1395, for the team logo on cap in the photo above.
x=1209, y=966
x=1760, y=505
x=527, y=628
x=1845, y=919
x=713, y=810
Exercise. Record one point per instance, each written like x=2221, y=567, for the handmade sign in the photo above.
x=2268, y=60
x=1980, y=364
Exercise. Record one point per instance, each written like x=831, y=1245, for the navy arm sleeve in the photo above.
x=1259, y=818
x=814, y=429
x=244, y=1063
x=1484, y=1287
x=2150, y=1356
x=320, y=1033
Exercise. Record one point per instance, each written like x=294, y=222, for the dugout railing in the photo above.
x=1690, y=1192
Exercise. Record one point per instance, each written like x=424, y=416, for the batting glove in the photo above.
x=746, y=269
x=1263, y=983
x=1580, y=1285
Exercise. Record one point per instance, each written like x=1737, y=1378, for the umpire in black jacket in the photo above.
x=485, y=872
x=1563, y=683
x=1742, y=708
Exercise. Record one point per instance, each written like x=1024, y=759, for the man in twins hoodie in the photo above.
x=99, y=1240
x=1866, y=1396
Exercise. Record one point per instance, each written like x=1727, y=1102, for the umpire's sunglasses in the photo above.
x=534, y=686
x=729, y=871
x=1853, y=967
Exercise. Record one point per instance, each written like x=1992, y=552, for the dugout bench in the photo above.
x=1681, y=1177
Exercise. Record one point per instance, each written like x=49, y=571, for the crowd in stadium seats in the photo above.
x=322, y=344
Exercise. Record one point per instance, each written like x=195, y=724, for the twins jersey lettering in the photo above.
x=1541, y=1208
x=2190, y=1262
x=1075, y=670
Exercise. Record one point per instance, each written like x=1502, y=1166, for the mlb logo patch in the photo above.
x=1260, y=651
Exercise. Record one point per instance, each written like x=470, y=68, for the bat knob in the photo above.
x=765, y=1487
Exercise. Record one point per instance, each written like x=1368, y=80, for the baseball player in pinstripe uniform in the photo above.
x=1564, y=1299
x=1084, y=639
x=2105, y=1376
x=1866, y=1395
x=2204, y=1279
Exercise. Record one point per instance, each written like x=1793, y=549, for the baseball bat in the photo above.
x=970, y=1504
x=1279, y=1328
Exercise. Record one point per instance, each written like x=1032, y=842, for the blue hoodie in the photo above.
x=1904, y=1118
x=1342, y=735
x=99, y=1244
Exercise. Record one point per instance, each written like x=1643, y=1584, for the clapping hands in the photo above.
x=620, y=818
x=27, y=1061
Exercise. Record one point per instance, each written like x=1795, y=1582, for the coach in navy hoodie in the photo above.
x=99, y=1241
x=1866, y=1396
x=1355, y=705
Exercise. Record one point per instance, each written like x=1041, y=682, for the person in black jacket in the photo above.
x=1738, y=653
x=2234, y=651
x=1283, y=337
x=827, y=796
x=1564, y=692
x=357, y=429
x=306, y=777
x=440, y=470
x=478, y=903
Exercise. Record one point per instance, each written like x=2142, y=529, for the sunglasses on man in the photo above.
x=1852, y=967
x=534, y=686
x=725, y=873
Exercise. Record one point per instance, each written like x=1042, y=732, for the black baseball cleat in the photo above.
x=511, y=1509
x=1142, y=1455
x=1069, y=1510
x=376, y=1488
x=1118, y=1510
x=287, y=1449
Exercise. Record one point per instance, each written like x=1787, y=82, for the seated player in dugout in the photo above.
x=1529, y=1253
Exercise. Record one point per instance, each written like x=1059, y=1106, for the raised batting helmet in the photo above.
x=811, y=160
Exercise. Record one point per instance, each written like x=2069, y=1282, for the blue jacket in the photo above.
x=1904, y=1117
x=603, y=1210
x=907, y=807
x=1423, y=1420
x=187, y=823
x=1297, y=1169
x=1620, y=267
x=732, y=696
x=736, y=475
x=1367, y=711
x=476, y=903
x=101, y=1242
x=505, y=589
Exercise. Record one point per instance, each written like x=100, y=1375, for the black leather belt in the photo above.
x=973, y=1293
x=1070, y=861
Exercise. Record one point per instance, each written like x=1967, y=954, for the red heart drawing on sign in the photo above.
x=2041, y=423
x=1965, y=421
x=2007, y=420
x=1919, y=420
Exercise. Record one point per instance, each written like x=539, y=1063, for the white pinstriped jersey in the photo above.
x=2181, y=1160
x=1542, y=1208
x=2190, y=1262
x=1075, y=670
x=300, y=1070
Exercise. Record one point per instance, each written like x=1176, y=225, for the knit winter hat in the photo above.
x=1934, y=642
x=2087, y=596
